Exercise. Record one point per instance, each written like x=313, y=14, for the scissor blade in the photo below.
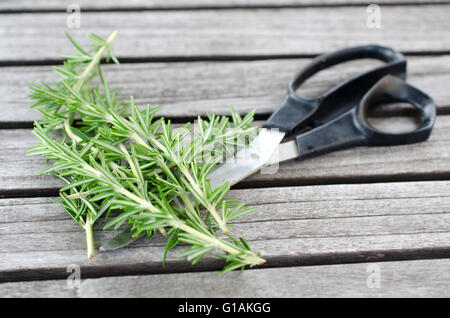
x=248, y=160
x=120, y=240
x=286, y=151
x=126, y=237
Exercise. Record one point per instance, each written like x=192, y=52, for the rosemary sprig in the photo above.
x=54, y=116
x=150, y=211
x=159, y=180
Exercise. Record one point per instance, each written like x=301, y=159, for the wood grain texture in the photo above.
x=422, y=161
x=212, y=33
x=37, y=289
x=187, y=90
x=293, y=226
x=30, y=5
x=422, y=278
x=397, y=279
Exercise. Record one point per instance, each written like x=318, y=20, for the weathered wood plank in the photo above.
x=423, y=278
x=9, y=5
x=422, y=161
x=25, y=236
x=37, y=289
x=401, y=279
x=208, y=33
x=296, y=225
x=187, y=90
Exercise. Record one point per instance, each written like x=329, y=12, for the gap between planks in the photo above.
x=264, y=32
x=27, y=6
x=200, y=58
x=420, y=278
x=421, y=161
x=187, y=90
x=300, y=226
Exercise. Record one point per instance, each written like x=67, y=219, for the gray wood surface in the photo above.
x=239, y=52
x=30, y=5
x=293, y=226
x=190, y=89
x=212, y=33
x=422, y=161
x=422, y=278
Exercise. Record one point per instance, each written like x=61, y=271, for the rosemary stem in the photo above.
x=187, y=202
x=97, y=57
x=139, y=140
x=89, y=236
x=190, y=179
x=75, y=139
x=250, y=258
x=210, y=207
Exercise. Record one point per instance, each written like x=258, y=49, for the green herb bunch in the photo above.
x=113, y=155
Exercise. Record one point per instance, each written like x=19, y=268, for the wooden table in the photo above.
x=362, y=222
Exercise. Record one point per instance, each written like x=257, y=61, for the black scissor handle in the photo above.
x=296, y=112
x=352, y=128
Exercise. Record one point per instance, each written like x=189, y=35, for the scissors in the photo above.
x=337, y=119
